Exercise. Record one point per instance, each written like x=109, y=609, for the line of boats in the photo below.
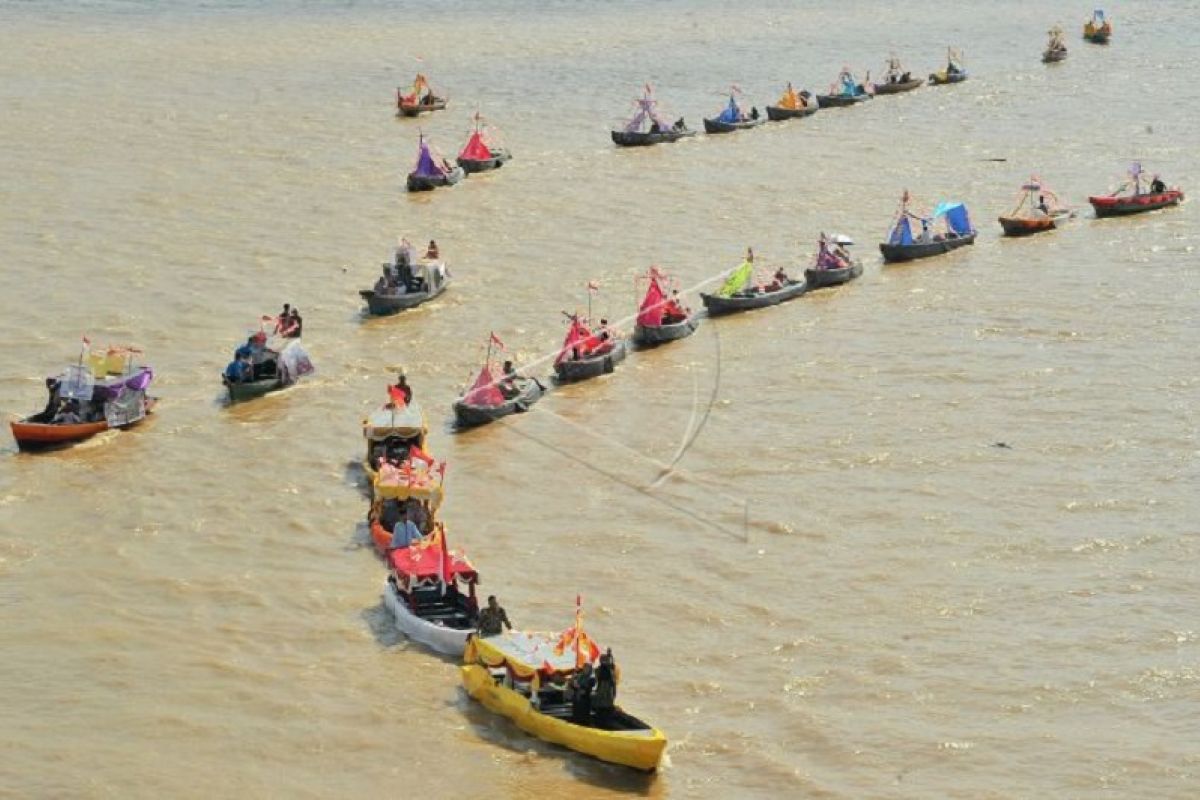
x=558, y=687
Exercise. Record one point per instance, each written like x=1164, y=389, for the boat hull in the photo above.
x=427, y=183
x=942, y=78
x=1137, y=204
x=898, y=253
x=251, y=390
x=731, y=305
x=637, y=749
x=470, y=416
x=574, y=370
x=1054, y=56
x=645, y=138
x=417, y=109
x=472, y=165
x=32, y=436
x=824, y=278
x=654, y=335
x=384, y=305
x=841, y=100
x=1023, y=226
x=779, y=114
x=440, y=639
x=897, y=88
x=713, y=125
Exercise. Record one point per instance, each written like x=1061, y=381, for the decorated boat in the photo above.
x=832, y=266
x=793, y=104
x=1131, y=197
x=406, y=482
x=391, y=432
x=955, y=71
x=430, y=591
x=734, y=117
x=1056, y=47
x=846, y=91
x=490, y=397
x=419, y=99
x=587, y=354
x=896, y=79
x=955, y=232
x=483, y=151
x=1038, y=209
x=105, y=390
x=662, y=316
x=649, y=126
x=1098, y=29
x=544, y=683
x=406, y=282
x=432, y=170
x=268, y=367
x=740, y=293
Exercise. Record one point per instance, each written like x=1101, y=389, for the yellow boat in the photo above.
x=392, y=428
x=523, y=676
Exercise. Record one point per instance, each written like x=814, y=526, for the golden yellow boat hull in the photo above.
x=640, y=750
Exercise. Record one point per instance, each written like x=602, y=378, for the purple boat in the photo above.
x=432, y=170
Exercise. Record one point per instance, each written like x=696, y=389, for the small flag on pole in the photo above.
x=593, y=286
x=496, y=341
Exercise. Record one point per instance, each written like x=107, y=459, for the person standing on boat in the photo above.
x=1157, y=186
x=281, y=322
x=52, y=386
x=604, y=701
x=295, y=325
x=403, y=388
x=508, y=382
x=582, y=684
x=493, y=619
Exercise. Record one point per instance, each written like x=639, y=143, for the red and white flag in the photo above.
x=593, y=286
x=496, y=341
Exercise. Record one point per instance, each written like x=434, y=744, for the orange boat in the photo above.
x=102, y=392
x=1038, y=210
x=32, y=433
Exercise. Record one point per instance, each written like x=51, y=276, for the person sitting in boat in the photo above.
x=604, y=700
x=580, y=688
x=675, y=311
x=405, y=532
x=493, y=619
x=679, y=125
x=403, y=388
x=1157, y=186
x=67, y=414
x=239, y=370
x=1042, y=206
x=778, y=281
x=753, y=112
x=431, y=252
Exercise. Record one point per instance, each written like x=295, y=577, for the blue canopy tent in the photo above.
x=956, y=216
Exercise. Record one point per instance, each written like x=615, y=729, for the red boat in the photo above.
x=1114, y=206
x=1136, y=200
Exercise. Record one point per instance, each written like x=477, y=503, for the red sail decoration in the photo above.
x=650, y=314
x=578, y=337
x=484, y=391
x=476, y=148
